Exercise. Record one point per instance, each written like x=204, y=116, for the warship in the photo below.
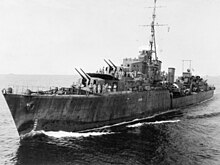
x=114, y=94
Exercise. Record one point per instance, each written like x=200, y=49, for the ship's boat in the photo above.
x=135, y=90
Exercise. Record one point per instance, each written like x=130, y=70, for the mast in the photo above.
x=153, y=47
x=190, y=68
x=153, y=39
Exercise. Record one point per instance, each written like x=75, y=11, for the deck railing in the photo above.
x=22, y=89
x=50, y=90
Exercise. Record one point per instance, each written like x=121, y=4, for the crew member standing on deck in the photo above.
x=114, y=88
x=109, y=88
x=99, y=88
x=94, y=88
x=103, y=88
x=90, y=87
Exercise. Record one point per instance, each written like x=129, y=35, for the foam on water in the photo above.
x=149, y=123
x=205, y=115
x=129, y=122
x=61, y=134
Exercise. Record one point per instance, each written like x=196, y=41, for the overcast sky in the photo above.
x=55, y=36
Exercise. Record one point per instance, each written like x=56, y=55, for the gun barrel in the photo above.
x=85, y=74
x=110, y=66
x=83, y=78
x=79, y=73
x=88, y=77
x=113, y=64
x=107, y=63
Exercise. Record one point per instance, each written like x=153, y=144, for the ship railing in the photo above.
x=48, y=90
x=22, y=89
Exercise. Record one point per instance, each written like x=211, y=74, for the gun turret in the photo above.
x=110, y=67
x=113, y=64
x=84, y=80
x=88, y=77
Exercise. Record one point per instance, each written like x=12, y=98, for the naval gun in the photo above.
x=113, y=64
x=84, y=80
x=89, y=78
x=110, y=66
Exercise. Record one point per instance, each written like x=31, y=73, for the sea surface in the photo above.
x=189, y=135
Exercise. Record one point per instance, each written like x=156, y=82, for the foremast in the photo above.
x=153, y=47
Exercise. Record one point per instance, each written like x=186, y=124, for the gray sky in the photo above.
x=55, y=36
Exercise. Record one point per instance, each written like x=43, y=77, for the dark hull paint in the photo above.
x=80, y=112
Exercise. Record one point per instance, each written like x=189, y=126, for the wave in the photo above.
x=62, y=134
x=151, y=123
x=108, y=129
x=214, y=114
x=174, y=112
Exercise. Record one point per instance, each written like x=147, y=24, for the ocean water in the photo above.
x=189, y=135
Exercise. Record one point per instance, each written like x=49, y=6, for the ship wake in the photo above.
x=62, y=134
x=161, y=118
x=209, y=115
x=152, y=123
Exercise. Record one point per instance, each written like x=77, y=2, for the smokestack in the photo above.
x=171, y=75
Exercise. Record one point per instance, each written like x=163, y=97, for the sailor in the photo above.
x=112, y=72
x=79, y=90
x=104, y=87
x=109, y=88
x=4, y=91
x=132, y=74
x=91, y=87
x=103, y=70
x=99, y=88
x=116, y=74
x=128, y=74
x=114, y=88
x=55, y=90
x=94, y=88
x=106, y=70
x=87, y=90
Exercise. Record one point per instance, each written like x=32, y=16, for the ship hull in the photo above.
x=81, y=112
